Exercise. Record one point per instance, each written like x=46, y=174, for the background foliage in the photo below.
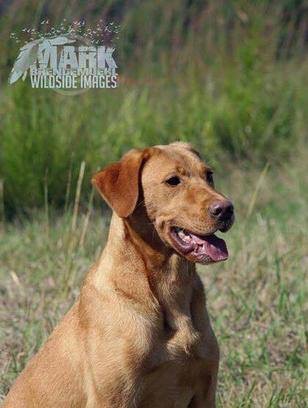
x=227, y=76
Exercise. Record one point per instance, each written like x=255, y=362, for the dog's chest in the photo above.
x=181, y=344
x=179, y=336
x=174, y=369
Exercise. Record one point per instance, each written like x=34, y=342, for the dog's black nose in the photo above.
x=221, y=210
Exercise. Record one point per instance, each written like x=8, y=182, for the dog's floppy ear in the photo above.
x=118, y=183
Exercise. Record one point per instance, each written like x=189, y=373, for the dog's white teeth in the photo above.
x=184, y=236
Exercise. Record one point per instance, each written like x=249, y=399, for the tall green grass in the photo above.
x=45, y=136
x=204, y=73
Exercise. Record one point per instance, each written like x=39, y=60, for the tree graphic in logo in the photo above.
x=28, y=55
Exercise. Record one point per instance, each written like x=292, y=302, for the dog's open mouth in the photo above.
x=203, y=249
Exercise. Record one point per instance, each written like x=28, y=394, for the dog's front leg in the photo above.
x=208, y=350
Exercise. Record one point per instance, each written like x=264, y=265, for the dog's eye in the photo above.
x=209, y=178
x=173, y=181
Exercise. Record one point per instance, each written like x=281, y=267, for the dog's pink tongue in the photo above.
x=212, y=246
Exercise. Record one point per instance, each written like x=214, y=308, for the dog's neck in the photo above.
x=139, y=234
x=157, y=268
x=140, y=231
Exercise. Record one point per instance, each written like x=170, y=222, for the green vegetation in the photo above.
x=217, y=81
x=228, y=77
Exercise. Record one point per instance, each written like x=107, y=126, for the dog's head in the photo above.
x=174, y=189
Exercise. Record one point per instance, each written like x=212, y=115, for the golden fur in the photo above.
x=139, y=334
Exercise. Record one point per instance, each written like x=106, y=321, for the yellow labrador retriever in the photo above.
x=139, y=334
